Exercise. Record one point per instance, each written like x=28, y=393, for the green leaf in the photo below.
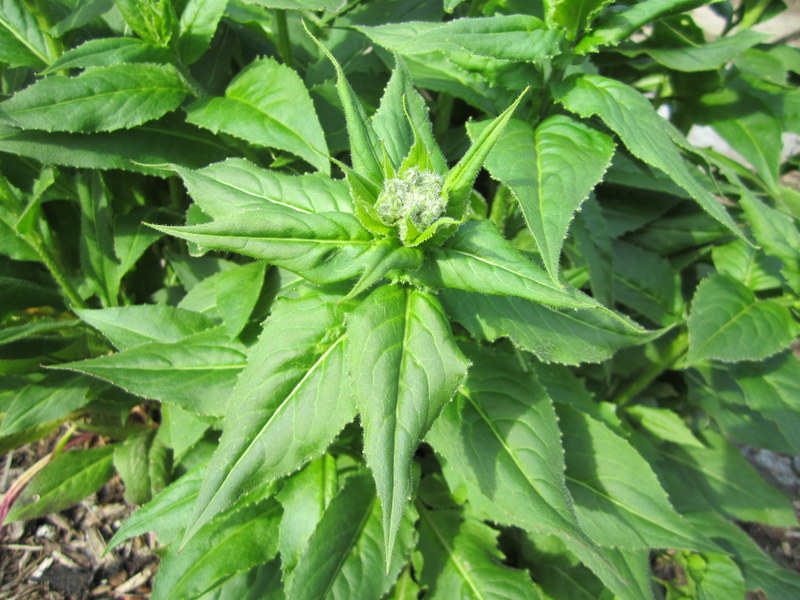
x=344, y=558
x=720, y=477
x=646, y=134
x=458, y=182
x=99, y=264
x=759, y=570
x=235, y=542
x=705, y=57
x=773, y=389
x=288, y=405
x=19, y=332
x=664, y=424
x=132, y=462
x=105, y=52
x=129, y=326
x=41, y=402
x=152, y=20
x=167, y=141
x=100, y=99
x=550, y=170
x=84, y=13
x=713, y=576
x=166, y=514
x=386, y=256
x=646, y=283
x=401, y=102
x=501, y=435
x=404, y=368
x=567, y=337
x=777, y=233
x=506, y=37
x=237, y=186
x=323, y=248
x=729, y=323
x=573, y=15
x=22, y=42
x=63, y=482
x=365, y=153
x=266, y=104
x=461, y=560
x=618, y=499
x=196, y=376
x=478, y=259
x=620, y=24
x=197, y=26
x=305, y=497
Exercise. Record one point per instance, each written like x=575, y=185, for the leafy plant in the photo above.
x=349, y=364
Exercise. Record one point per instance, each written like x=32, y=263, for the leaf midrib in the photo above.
x=23, y=41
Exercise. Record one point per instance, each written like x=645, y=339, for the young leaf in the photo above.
x=618, y=499
x=152, y=20
x=365, y=154
x=567, y=337
x=234, y=542
x=100, y=99
x=266, y=104
x=98, y=261
x=550, y=170
x=63, y=482
x=22, y=42
x=478, y=259
x=646, y=134
x=461, y=560
x=237, y=186
x=196, y=376
x=458, y=182
x=323, y=248
x=573, y=15
x=344, y=558
x=505, y=37
x=729, y=323
x=404, y=367
x=288, y=405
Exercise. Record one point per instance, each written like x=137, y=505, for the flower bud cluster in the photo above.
x=415, y=195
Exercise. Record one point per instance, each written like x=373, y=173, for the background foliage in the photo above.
x=537, y=390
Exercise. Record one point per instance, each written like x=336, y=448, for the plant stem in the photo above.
x=671, y=355
x=500, y=206
x=284, y=44
x=444, y=111
x=58, y=274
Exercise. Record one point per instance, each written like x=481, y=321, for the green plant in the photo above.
x=428, y=382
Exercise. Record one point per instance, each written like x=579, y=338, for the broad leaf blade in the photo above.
x=461, y=560
x=266, y=104
x=22, y=42
x=237, y=186
x=67, y=480
x=404, y=368
x=288, y=405
x=618, y=499
x=642, y=130
x=550, y=170
x=567, y=337
x=323, y=248
x=478, y=259
x=729, y=323
x=100, y=99
x=105, y=52
x=344, y=558
x=235, y=542
x=44, y=401
x=196, y=27
x=196, y=376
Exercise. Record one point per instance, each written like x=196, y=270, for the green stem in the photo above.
x=672, y=354
x=284, y=44
x=500, y=208
x=64, y=440
x=444, y=112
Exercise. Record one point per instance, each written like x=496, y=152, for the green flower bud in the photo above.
x=415, y=195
